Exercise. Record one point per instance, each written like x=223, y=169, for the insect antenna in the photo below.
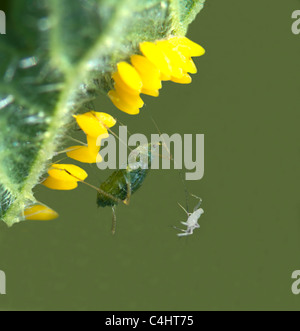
x=124, y=125
x=172, y=159
x=109, y=196
x=185, y=190
x=183, y=209
x=120, y=140
x=70, y=149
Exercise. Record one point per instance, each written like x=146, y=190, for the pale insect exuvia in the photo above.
x=192, y=221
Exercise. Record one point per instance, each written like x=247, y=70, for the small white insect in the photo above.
x=193, y=218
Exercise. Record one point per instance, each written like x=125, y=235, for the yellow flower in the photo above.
x=122, y=104
x=169, y=59
x=64, y=177
x=163, y=60
x=95, y=124
x=130, y=76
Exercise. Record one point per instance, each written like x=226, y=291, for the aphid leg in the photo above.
x=183, y=234
x=176, y=228
x=128, y=197
x=199, y=203
x=114, y=219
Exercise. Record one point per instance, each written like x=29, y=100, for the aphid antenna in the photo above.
x=77, y=141
x=40, y=203
x=60, y=160
x=123, y=125
x=115, y=135
x=172, y=159
x=94, y=187
x=66, y=151
x=71, y=149
x=183, y=209
x=186, y=191
x=109, y=196
x=120, y=140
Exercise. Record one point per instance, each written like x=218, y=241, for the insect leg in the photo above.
x=176, y=228
x=183, y=234
x=114, y=219
x=128, y=183
x=199, y=203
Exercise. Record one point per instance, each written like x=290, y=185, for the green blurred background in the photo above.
x=245, y=99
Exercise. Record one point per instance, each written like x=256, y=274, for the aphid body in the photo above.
x=124, y=182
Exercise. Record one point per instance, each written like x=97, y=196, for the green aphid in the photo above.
x=124, y=182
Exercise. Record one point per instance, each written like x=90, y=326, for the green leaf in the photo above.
x=56, y=56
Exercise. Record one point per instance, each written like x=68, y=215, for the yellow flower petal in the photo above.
x=164, y=77
x=118, y=80
x=92, y=143
x=67, y=172
x=83, y=154
x=131, y=99
x=95, y=124
x=186, y=79
x=190, y=66
x=40, y=213
x=192, y=48
x=173, y=57
x=130, y=76
x=154, y=54
x=149, y=73
x=104, y=119
x=181, y=59
x=121, y=104
x=153, y=93
x=60, y=185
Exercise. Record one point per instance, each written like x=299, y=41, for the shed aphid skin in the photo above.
x=39, y=212
x=125, y=182
x=192, y=221
x=169, y=59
